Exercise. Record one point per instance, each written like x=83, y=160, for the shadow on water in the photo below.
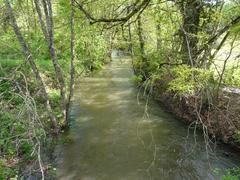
x=112, y=138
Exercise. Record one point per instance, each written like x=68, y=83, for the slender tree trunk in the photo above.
x=34, y=17
x=32, y=63
x=72, y=68
x=112, y=37
x=111, y=46
x=40, y=16
x=141, y=38
x=53, y=53
x=49, y=36
x=158, y=25
x=45, y=8
x=158, y=36
x=130, y=44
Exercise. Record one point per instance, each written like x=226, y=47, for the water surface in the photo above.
x=117, y=136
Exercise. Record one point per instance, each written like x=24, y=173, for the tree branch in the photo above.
x=217, y=35
x=106, y=20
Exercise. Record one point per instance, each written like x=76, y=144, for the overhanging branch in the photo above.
x=135, y=10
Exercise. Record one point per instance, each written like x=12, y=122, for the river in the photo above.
x=117, y=135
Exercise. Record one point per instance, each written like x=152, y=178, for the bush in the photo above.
x=187, y=80
x=232, y=174
x=232, y=77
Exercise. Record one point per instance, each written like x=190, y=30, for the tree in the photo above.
x=29, y=58
x=72, y=65
x=191, y=11
x=49, y=37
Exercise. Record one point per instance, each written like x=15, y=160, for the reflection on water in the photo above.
x=114, y=138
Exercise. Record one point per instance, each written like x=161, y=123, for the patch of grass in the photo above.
x=10, y=63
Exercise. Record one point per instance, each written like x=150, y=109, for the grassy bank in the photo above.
x=24, y=123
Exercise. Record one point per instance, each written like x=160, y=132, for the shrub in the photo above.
x=187, y=80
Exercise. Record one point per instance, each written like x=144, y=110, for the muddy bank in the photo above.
x=222, y=121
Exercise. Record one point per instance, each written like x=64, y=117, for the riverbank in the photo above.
x=194, y=101
x=25, y=126
x=221, y=122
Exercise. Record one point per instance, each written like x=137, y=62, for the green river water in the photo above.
x=115, y=136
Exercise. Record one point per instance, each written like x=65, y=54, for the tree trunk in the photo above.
x=130, y=44
x=40, y=16
x=72, y=68
x=191, y=11
x=32, y=63
x=49, y=37
x=141, y=38
x=158, y=25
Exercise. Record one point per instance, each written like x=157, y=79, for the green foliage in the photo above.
x=228, y=174
x=187, y=80
x=7, y=90
x=17, y=139
x=236, y=136
x=230, y=10
x=137, y=79
x=150, y=66
x=180, y=79
x=55, y=97
x=9, y=63
x=91, y=54
x=7, y=50
x=12, y=135
x=161, y=23
x=232, y=77
x=8, y=143
x=5, y=171
x=232, y=174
